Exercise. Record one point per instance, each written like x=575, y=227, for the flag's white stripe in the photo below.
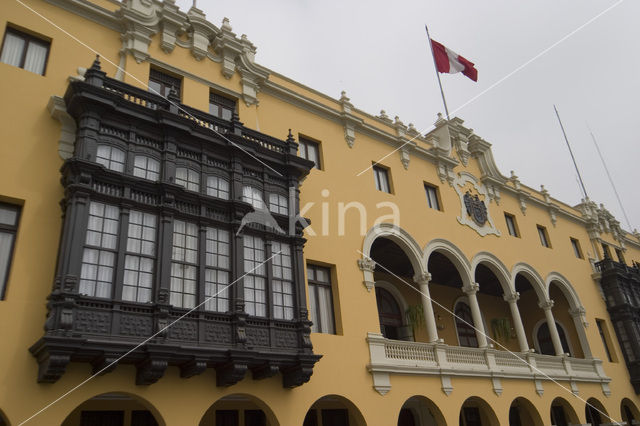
x=454, y=65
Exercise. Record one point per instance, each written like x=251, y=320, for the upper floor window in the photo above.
x=381, y=176
x=282, y=282
x=24, y=51
x=9, y=216
x=320, y=299
x=217, y=270
x=511, y=224
x=604, y=335
x=221, y=106
x=310, y=150
x=161, y=83
x=218, y=187
x=625, y=342
x=184, y=265
x=278, y=203
x=146, y=168
x=577, y=250
x=140, y=258
x=252, y=196
x=432, y=196
x=544, y=236
x=188, y=178
x=606, y=251
x=255, y=286
x=620, y=256
x=110, y=157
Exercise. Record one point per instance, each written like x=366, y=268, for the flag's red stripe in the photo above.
x=469, y=69
x=440, y=55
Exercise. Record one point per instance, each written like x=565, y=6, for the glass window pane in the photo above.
x=36, y=57
x=12, y=49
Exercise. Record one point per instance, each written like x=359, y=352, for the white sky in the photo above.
x=378, y=53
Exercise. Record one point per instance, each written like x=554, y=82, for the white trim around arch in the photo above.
x=536, y=328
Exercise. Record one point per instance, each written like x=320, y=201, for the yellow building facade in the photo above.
x=154, y=267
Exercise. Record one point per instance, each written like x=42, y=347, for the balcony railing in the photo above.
x=438, y=359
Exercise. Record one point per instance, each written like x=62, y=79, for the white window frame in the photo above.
x=143, y=167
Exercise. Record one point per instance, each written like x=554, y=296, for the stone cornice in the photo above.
x=90, y=11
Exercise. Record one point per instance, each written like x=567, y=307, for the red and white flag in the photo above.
x=448, y=61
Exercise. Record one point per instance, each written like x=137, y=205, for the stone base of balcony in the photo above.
x=390, y=357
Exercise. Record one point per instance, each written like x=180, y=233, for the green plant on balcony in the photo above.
x=414, y=315
x=501, y=328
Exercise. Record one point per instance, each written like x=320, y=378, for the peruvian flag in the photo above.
x=450, y=62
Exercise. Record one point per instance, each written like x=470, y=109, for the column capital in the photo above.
x=367, y=264
x=546, y=304
x=471, y=289
x=578, y=312
x=422, y=278
x=511, y=298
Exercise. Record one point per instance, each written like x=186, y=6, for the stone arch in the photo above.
x=114, y=401
x=399, y=236
x=425, y=412
x=629, y=411
x=395, y=293
x=497, y=267
x=576, y=310
x=566, y=288
x=239, y=402
x=568, y=411
x=529, y=415
x=559, y=326
x=487, y=415
x=332, y=402
x=533, y=277
x=455, y=256
x=595, y=413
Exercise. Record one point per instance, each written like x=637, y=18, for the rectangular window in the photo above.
x=310, y=150
x=606, y=341
x=110, y=157
x=606, y=251
x=577, y=250
x=278, y=203
x=282, y=283
x=146, y=168
x=24, y=51
x=320, y=299
x=188, y=178
x=139, y=261
x=99, y=255
x=511, y=225
x=252, y=196
x=161, y=83
x=221, y=106
x=620, y=256
x=432, y=196
x=625, y=343
x=218, y=187
x=255, y=299
x=217, y=266
x=184, y=264
x=9, y=217
x=381, y=176
x=544, y=236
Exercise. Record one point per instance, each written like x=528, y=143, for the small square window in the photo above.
x=9, y=217
x=310, y=150
x=221, y=107
x=381, y=176
x=161, y=83
x=544, y=236
x=24, y=51
x=511, y=224
x=320, y=299
x=577, y=250
x=432, y=196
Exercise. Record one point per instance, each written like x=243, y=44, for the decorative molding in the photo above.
x=520, y=193
x=460, y=182
x=58, y=110
x=350, y=122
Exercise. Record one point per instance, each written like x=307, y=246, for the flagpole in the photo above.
x=584, y=191
x=433, y=56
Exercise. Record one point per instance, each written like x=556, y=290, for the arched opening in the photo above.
x=333, y=410
x=114, y=409
x=496, y=311
x=3, y=419
x=476, y=412
x=562, y=308
x=544, y=343
x=595, y=412
x=562, y=413
x=523, y=413
x=399, y=305
x=239, y=409
x=464, y=325
x=629, y=412
x=530, y=291
x=420, y=411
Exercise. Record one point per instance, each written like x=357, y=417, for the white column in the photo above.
x=475, y=313
x=429, y=318
x=512, y=299
x=551, y=323
x=581, y=323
